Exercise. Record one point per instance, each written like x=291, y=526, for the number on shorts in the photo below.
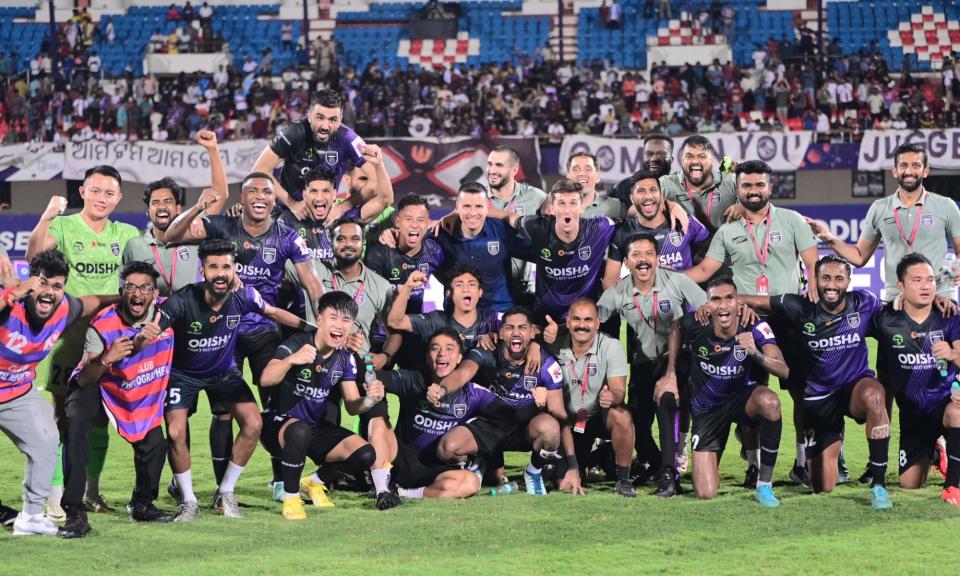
x=173, y=396
x=694, y=441
x=903, y=458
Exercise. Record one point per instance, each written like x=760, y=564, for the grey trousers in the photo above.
x=28, y=421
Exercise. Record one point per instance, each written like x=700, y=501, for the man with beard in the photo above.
x=488, y=437
x=724, y=363
x=128, y=358
x=264, y=245
x=650, y=301
x=177, y=264
x=922, y=350
x=657, y=159
x=205, y=316
x=413, y=254
x=318, y=141
x=463, y=292
x=92, y=245
x=33, y=316
x=570, y=262
x=308, y=367
x=594, y=378
x=839, y=382
x=700, y=187
x=767, y=250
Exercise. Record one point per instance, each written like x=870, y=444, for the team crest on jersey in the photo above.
x=424, y=269
x=331, y=157
x=460, y=410
x=676, y=239
x=584, y=252
x=493, y=248
x=269, y=255
x=936, y=336
x=183, y=253
x=665, y=306
x=776, y=238
x=853, y=319
x=592, y=368
x=78, y=247
x=519, y=210
x=529, y=382
x=115, y=248
x=926, y=220
x=739, y=353
x=361, y=298
x=233, y=320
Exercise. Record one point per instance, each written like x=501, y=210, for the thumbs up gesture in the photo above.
x=550, y=331
x=605, y=398
x=152, y=330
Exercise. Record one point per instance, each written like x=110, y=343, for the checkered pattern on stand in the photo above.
x=929, y=35
x=439, y=53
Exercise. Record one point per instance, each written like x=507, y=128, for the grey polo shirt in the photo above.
x=605, y=205
x=605, y=359
x=713, y=201
x=179, y=261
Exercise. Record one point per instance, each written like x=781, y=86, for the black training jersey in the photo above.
x=396, y=267
x=305, y=388
x=204, y=339
x=835, y=345
x=301, y=152
x=511, y=384
x=719, y=368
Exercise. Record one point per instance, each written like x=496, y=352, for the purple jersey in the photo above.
x=567, y=271
x=316, y=237
x=305, y=389
x=911, y=366
x=835, y=344
x=260, y=259
x=297, y=145
x=719, y=368
x=675, y=249
x=510, y=383
x=204, y=338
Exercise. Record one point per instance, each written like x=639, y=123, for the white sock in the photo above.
x=381, y=479
x=316, y=478
x=683, y=442
x=288, y=495
x=753, y=457
x=185, y=484
x=531, y=469
x=759, y=484
x=93, y=487
x=801, y=455
x=415, y=493
x=56, y=493
x=230, y=477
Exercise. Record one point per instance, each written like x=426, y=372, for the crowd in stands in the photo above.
x=534, y=95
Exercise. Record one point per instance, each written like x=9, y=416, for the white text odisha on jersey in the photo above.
x=212, y=342
x=916, y=359
x=839, y=340
x=428, y=424
x=250, y=271
x=311, y=392
x=568, y=272
x=725, y=371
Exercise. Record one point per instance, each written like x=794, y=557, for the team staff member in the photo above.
x=176, y=264
x=92, y=245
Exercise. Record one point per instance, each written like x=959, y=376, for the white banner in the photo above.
x=177, y=63
x=877, y=146
x=148, y=161
x=32, y=161
x=620, y=158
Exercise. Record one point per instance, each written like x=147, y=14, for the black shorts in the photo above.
x=325, y=436
x=409, y=471
x=583, y=441
x=222, y=389
x=257, y=347
x=824, y=418
x=710, y=430
x=918, y=435
x=494, y=435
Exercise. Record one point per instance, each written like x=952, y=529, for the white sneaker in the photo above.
x=34, y=524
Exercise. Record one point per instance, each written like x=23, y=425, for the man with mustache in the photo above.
x=92, y=244
x=205, y=317
x=320, y=142
x=488, y=437
x=922, y=350
x=128, y=358
x=308, y=367
x=594, y=372
x=264, y=245
x=177, y=264
x=839, y=382
x=33, y=315
x=650, y=301
x=767, y=250
x=724, y=365
x=701, y=187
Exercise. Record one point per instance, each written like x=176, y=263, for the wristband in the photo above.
x=759, y=357
x=102, y=363
x=572, y=463
x=369, y=402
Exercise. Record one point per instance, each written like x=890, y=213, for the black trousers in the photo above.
x=643, y=379
x=149, y=457
x=82, y=406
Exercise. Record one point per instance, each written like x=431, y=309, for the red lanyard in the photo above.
x=356, y=297
x=761, y=255
x=173, y=267
x=656, y=313
x=916, y=225
x=709, y=202
x=586, y=374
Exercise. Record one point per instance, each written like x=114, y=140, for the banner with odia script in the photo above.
x=877, y=146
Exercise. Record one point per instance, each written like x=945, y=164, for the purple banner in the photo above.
x=828, y=156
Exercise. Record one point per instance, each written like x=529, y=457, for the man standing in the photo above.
x=92, y=245
x=701, y=187
x=724, y=363
x=33, y=316
x=650, y=301
x=582, y=168
x=594, y=379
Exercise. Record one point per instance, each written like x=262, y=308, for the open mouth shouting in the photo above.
x=337, y=337
x=442, y=366
x=696, y=173
x=649, y=207
x=162, y=218
x=45, y=304
x=258, y=210
x=319, y=208
x=137, y=306
x=221, y=284
x=516, y=346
